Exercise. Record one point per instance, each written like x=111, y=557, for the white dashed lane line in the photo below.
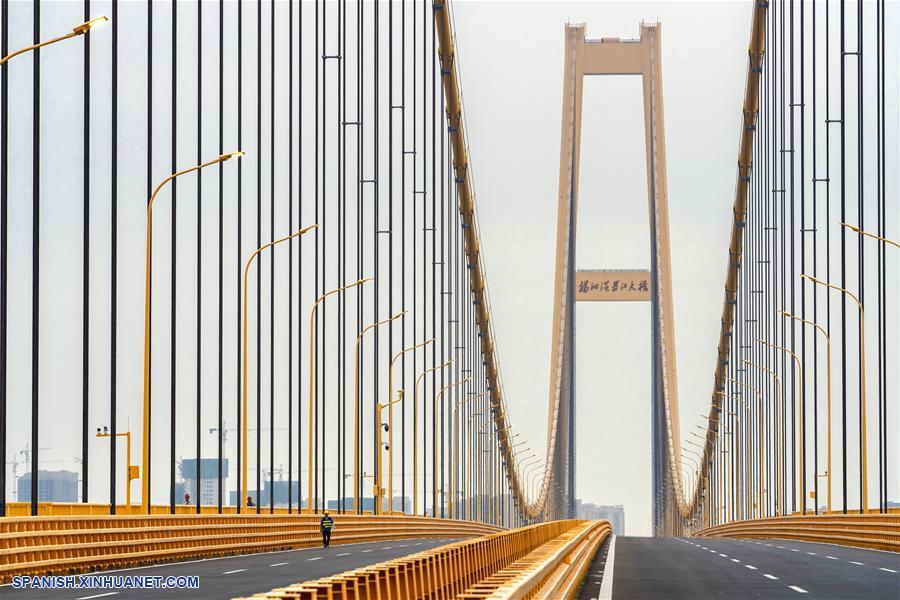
x=751, y=567
x=98, y=596
x=767, y=576
x=316, y=558
x=366, y=550
x=853, y=562
x=798, y=589
x=831, y=557
x=735, y=560
x=234, y=571
x=886, y=569
x=278, y=564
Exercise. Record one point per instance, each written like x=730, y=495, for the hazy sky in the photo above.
x=511, y=56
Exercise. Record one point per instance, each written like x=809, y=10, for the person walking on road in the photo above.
x=327, y=526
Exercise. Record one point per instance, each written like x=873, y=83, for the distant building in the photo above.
x=614, y=514
x=53, y=486
x=209, y=477
x=368, y=503
x=277, y=490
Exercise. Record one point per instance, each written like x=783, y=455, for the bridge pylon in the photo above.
x=614, y=56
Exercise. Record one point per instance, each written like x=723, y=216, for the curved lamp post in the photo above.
x=81, y=29
x=416, y=434
x=821, y=330
x=359, y=336
x=311, y=474
x=863, y=470
x=245, y=428
x=148, y=269
x=390, y=407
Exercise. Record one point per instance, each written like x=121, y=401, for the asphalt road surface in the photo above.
x=699, y=568
x=235, y=576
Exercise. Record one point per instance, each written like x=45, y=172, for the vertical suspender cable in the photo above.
x=35, y=260
x=173, y=252
x=113, y=252
x=220, y=271
x=4, y=186
x=148, y=468
x=843, y=266
x=86, y=264
x=239, y=259
x=861, y=254
x=290, y=269
x=258, y=500
x=197, y=310
x=271, y=260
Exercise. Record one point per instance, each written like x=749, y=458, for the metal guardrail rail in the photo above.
x=877, y=531
x=553, y=570
x=453, y=571
x=58, y=545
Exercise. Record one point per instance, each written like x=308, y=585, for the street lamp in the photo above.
x=131, y=471
x=455, y=456
x=779, y=442
x=871, y=235
x=390, y=406
x=244, y=410
x=416, y=435
x=357, y=409
x=864, y=473
x=801, y=473
x=311, y=474
x=148, y=270
x=434, y=454
x=821, y=330
x=82, y=29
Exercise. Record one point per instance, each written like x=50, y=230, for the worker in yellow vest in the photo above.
x=327, y=526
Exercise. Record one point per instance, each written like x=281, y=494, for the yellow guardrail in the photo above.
x=54, y=509
x=872, y=530
x=554, y=570
x=58, y=545
x=456, y=570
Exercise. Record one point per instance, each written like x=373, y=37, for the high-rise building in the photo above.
x=53, y=486
x=206, y=492
x=614, y=514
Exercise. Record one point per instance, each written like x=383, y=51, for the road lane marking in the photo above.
x=367, y=550
x=794, y=550
x=766, y=575
x=853, y=562
x=343, y=554
x=886, y=569
x=735, y=560
x=403, y=545
x=234, y=571
x=812, y=553
x=798, y=589
x=278, y=564
x=606, y=588
x=831, y=557
x=782, y=547
x=387, y=547
x=316, y=558
x=751, y=567
x=98, y=596
x=723, y=555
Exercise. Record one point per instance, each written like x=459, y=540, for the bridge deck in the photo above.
x=234, y=576
x=676, y=568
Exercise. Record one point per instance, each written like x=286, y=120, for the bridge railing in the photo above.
x=874, y=530
x=60, y=545
x=510, y=564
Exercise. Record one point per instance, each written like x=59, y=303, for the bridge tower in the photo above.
x=613, y=56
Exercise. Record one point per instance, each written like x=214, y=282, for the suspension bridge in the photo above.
x=241, y=239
